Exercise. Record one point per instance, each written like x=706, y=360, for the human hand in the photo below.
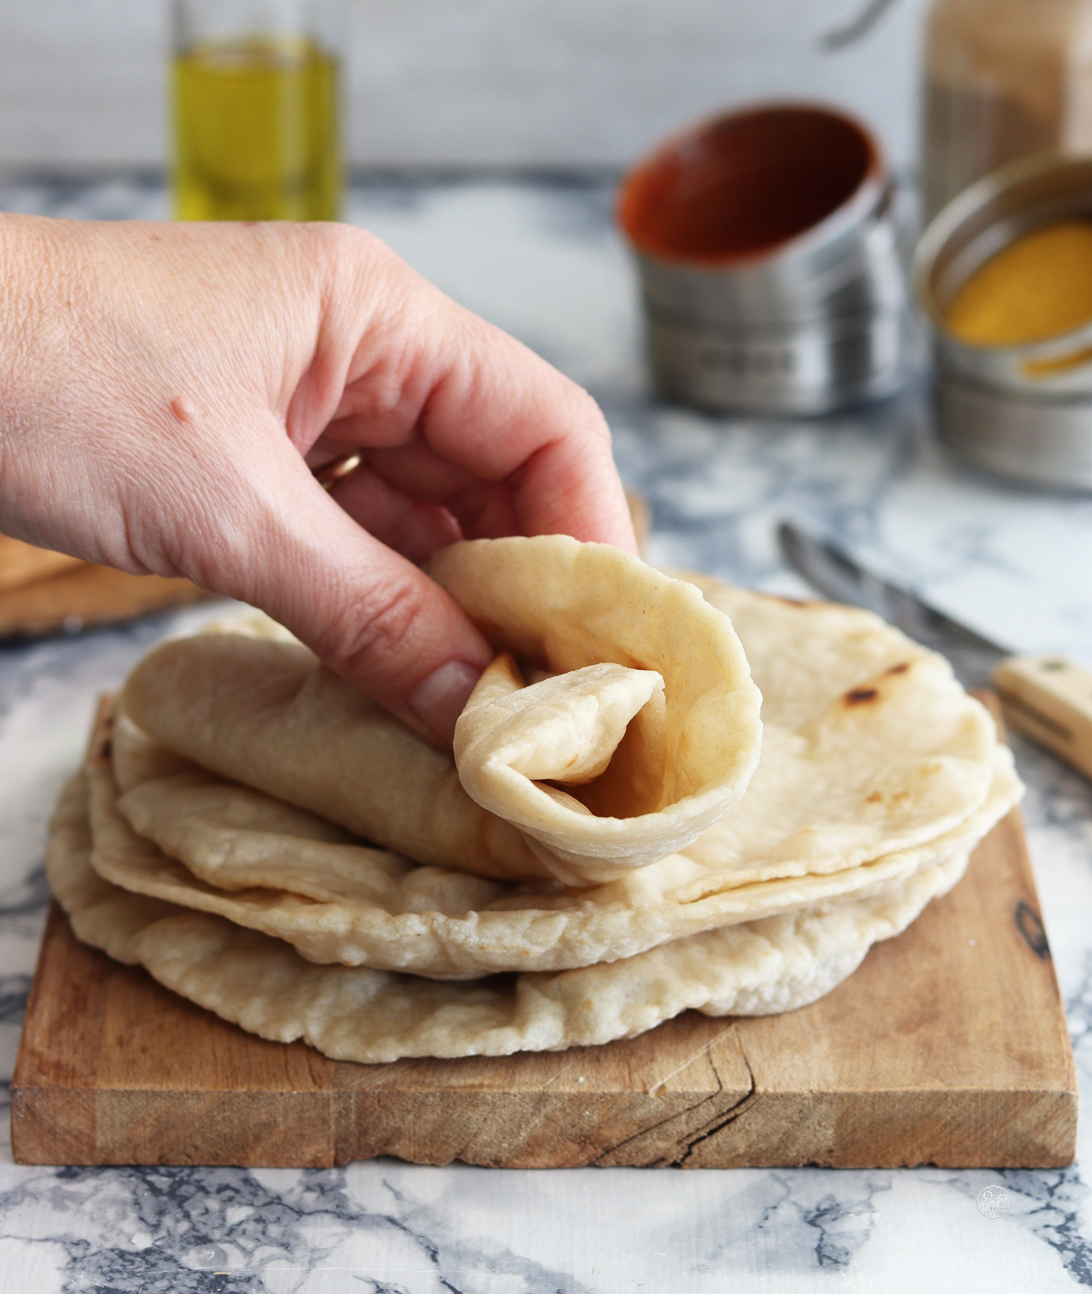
x=166, y=389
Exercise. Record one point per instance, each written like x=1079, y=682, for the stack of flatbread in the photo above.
x=616, y=839
x=43, y=592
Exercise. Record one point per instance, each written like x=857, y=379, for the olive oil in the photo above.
x=256, y=131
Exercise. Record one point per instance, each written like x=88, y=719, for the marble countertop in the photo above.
x=540, y=259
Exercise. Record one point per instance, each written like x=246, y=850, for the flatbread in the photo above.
x=277, y=869
x=889, y=767
x=663, y=772
x=370, y=1016
x=266, y=713
x=870, y=747
x=870, y=744
x=675, y=757
x=877, y=777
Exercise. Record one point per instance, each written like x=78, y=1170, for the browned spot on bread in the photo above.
x=901, y=668
x=861, y=695
x=875, y=798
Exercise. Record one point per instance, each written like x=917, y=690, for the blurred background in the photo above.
x=444, y=85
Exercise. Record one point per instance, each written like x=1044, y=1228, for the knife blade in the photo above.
x=1048, y=698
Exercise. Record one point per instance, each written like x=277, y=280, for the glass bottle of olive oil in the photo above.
x=256, y=114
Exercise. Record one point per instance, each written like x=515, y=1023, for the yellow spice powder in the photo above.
x=1038, y=287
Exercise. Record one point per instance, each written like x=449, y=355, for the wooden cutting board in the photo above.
x=87, y=596
x=948, y=1046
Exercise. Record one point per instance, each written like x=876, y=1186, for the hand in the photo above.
x=166, y=389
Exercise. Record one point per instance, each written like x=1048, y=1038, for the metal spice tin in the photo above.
x=1022, y=411
x=767, y=254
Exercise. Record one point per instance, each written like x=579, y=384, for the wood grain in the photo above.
x=22, y=564
x=88, y=596
x=948, y=1046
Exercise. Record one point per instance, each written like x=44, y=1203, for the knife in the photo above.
x=1048, y=698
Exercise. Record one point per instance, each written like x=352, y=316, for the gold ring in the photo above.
x=331, y=474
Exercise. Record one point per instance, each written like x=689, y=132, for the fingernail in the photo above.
x=440, y=699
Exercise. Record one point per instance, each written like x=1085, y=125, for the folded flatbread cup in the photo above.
x=878, y=775
x=648, y=733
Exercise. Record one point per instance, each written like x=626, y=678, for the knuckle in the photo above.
x=345, y=259
x=591, y=418
x=373, y=635
x=356, y=250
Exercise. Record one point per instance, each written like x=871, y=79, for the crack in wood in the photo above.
x=708, y=1129
x=727, y=1116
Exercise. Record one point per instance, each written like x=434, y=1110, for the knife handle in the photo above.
x=1049, y=699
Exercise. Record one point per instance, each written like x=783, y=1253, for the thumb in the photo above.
x=368, y=613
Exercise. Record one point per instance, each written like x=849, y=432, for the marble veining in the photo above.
x=541, y=260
